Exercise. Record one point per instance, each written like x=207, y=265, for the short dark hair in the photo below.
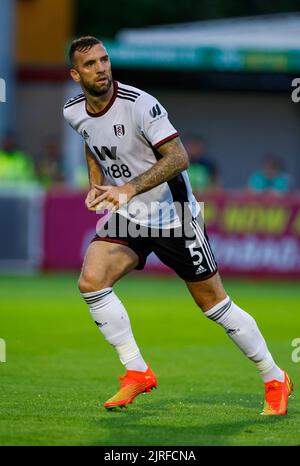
x=82, y=44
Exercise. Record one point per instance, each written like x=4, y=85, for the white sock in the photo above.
x=113, y=322
x=244, y=332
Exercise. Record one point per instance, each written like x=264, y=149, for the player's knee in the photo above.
x=89, y=282
x=85, y=285
x=207, y=300
x=207, y=293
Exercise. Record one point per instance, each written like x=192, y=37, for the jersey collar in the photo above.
x=108, y=106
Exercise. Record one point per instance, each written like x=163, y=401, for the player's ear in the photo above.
x=75, y=75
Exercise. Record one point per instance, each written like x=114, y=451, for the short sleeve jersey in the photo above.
x=125, y=138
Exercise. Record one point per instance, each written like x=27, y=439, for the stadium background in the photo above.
x=224, y=71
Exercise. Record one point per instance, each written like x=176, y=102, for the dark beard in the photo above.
x=96, y=92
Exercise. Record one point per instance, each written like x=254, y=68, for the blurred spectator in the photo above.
x=15, y=164
x=203, y=172
x=50, y=165
x=272, y=177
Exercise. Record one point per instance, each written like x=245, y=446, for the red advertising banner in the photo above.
x=255, y=235
x=68, y=229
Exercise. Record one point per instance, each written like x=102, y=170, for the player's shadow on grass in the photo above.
x=128, y=430
x=152, y=424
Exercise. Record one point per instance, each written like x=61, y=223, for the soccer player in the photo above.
x=137, y=171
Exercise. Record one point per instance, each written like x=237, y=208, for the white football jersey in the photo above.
x=124, y=138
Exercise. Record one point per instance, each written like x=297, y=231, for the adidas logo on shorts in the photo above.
x=200, y=269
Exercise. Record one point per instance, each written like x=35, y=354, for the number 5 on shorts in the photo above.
x=195, y=254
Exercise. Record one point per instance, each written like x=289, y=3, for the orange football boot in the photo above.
x=276, y=396
x=131, y=385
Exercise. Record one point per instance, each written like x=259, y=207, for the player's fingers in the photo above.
x=114, y=207
x=101, y=188
x=98, y=199
x=103, y=206
x=92, y=209
x=111, y=205
x=90, y=196
x=88, y=201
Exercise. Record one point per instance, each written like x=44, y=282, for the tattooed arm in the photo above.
x=174, y=160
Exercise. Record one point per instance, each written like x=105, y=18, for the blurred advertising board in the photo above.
x=252, y=235
x=68, y=229
x=256, y=235
x=203, y=57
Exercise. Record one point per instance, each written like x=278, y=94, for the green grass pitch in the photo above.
x=59, y=369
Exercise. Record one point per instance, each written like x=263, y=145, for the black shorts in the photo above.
x=186, y=252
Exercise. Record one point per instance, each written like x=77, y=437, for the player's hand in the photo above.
x=111, y=197
x=91, y=195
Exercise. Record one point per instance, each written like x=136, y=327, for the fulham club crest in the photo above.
x=119, y=130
